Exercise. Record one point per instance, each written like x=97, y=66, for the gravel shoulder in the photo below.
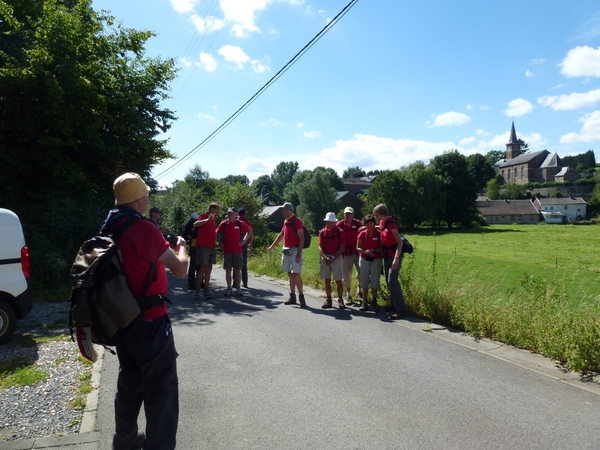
x=44, y=408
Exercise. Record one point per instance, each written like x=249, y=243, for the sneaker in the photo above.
x=239, y=293
x=209, y=294
x=327, y=304
x=197, y=295
x=341, y=303
x=349, y=300
x=291, y=300
x=302, y=301
x=228, y=292
x=374, y=306
x=364, y=306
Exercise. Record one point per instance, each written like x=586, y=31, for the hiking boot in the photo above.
x=327, y=303
x=209, y=294
x=341, y=303
x=291, y=300
x=349, y=300
x=364, y=306
x=239, y=293
x=228, y=292
x=197, y=295
x=302, y=301
x=374, y=305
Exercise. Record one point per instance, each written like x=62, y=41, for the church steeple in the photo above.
x=513, y=148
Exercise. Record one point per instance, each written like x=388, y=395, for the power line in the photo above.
x=289, y=64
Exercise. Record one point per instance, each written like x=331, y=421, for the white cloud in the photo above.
x=529, y=73
x=258, y=67
x=182, y=6
x=300, y=124
x=242, y=14
x=234, y=54
x=498, y=142
x=518, y=107
x=581, y=62
x=372, y=152
x=485, y=108
x=256, y=166
x=469, y=106
x=208, y=24
x=572, y=101
x=186, y=62
x=537, y=61
x=311, y=134
x=590, y=132
x=209, y=63
x=450, y=118
x=481, y=132
x=206, y=116
x=558, y=86
x=467, y=141
x=271, y=122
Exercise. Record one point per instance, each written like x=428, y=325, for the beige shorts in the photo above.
x=336, y=268
x=288, y=260
x=206, y=256
x=232, y=261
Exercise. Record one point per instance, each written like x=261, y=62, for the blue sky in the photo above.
x=391, y=83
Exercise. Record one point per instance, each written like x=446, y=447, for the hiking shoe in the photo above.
x=228, y=292
x=364, y=306
x=197, y=295
x=291, y=300
x=349, y=300
x=341, y=303
x=302, y=301
x=375, y=306
x=245, y=285
x=327, y=304
x=209, y=294
x=239, y=293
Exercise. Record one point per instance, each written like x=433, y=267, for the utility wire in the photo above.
x=290, y=63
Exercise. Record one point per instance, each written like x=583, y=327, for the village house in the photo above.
x=535, y=167
x=358, y=185
x=571, y=209
x=508, y=211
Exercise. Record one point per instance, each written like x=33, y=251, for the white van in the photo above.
x=16, y=293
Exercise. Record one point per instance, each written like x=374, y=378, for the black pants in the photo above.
x=244, y=268
x=148, y=375
x=192, y=270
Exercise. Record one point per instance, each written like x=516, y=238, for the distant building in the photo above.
x=572, y=208
x=273, y=216
x=508, y=211
x=347, y=198
x=535, y=167
x=358, y=185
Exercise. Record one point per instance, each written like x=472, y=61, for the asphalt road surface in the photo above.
x=257, y=374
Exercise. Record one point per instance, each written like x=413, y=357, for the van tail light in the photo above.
x=25, y=263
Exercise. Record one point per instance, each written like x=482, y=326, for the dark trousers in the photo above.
x=192, y=270
x=393, y=283
x=148, y=375
x=244, y=267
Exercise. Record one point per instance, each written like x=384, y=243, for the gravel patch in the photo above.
x=46, y=407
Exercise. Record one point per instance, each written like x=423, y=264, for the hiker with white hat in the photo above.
x=332, y=243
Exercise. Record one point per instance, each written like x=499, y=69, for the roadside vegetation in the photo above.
x=534, y=287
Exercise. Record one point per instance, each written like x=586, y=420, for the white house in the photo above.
x=573, y=208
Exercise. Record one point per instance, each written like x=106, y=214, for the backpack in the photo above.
x=306, y=233
x=103, y=308
x=225, y=222
x=322, y=235
x=406, y=246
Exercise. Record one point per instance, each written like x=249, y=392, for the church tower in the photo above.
x=513, y=148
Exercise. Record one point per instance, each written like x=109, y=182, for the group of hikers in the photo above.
x=147, y=359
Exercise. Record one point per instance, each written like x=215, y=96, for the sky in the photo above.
x=392, y=82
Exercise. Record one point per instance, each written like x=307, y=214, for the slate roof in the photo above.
x=505, y=207
x=549, y=201
x=522, y=159
x=268, y=210
x=513, y=135
x=552, y=160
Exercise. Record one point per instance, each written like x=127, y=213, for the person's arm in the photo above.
x=176, y=263
x=300, y=244
x=359, y=244
x=396, y=261
x=342, y=247
x=250, y=238
x=275, y=242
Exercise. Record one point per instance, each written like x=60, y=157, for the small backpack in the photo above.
x=103, y=308
x=306, y=233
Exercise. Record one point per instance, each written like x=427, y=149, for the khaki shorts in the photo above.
x=288, y=260
x=206, y=256
x=233, y=261
x=336, y=268
x=349, y=262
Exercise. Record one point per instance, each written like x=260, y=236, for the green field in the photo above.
x=499, y=256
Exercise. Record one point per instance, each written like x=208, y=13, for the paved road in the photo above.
x=256, y=374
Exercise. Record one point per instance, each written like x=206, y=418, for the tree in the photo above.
x=492, y=189
x=353, y=172
x=281, y=176
x=316, y=198
x=263, y=186
x=524, y=146
x=236, y=179
x=514, y=191
x=394, y=191
x=481, y=169
x=493, y=156
x=458, y=186
x=80, y=105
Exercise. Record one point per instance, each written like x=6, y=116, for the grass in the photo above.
x=19, y=372
x=532, y=286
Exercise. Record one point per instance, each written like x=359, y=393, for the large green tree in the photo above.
x=316, y=197
x=481, y=169
x=281, y=176
x=80, y=103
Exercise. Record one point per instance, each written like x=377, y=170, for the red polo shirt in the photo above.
x=207, y=233
x=330, y=239
x=233, y=233
x=369, y=242
x=387, y=238
x=290, y=233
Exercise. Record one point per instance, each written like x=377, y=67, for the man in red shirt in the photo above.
x=331, y=247
x=147, y=360
x=206, y=254
x=292, y=234
x=350, y=225
x=233, y=235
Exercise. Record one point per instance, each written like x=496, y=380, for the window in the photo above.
x=531, y=217
x=522, y=172
x=503, y=174
x=551, y=208
x=496, y=218
x=566, y=207
x=515, y=173
x=508, y=174
x=512, y=218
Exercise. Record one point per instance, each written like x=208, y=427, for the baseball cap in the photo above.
x=231, y=210
x=129, y=187
x=155, y=210
x=289, y=206
x=242, y=211
x=330, y=217
x=349, y=209
x=194, y=216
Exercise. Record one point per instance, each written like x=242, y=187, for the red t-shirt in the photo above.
x=351, y=231
x=369, y=242
x=207, y=233
x=141, y=245
x=331, y=239
x=233, y=233
x=290, y=235
x=387, y=238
